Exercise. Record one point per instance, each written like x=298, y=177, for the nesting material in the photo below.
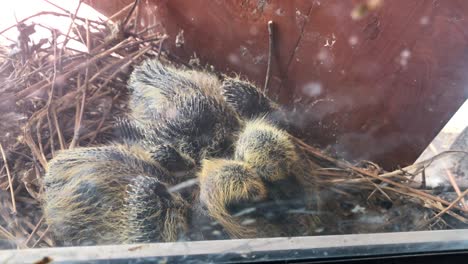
x=53, y=98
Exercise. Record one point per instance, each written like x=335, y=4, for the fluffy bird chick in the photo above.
x=267, y=149
x=250, y=103
x=131, y=132
x=198, y=125
x=184, y=108
x=111, y=195
x=225, y=183
x=153, y=85
x=273, y=155
x=268, y=165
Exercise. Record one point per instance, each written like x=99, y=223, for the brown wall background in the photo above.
x=379, y=88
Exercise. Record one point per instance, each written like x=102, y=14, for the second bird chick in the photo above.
x=153, y=85
x=227, y=183
x=268, y=150
x=185, y=108
x=270, y=166
x=198, y=125
x=251, y=103
x=132, y=132
x=111, y=195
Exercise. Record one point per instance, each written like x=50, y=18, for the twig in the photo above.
x=451, y=178
x=7, y=38
x=80, y=108
x=31, y=144
x=74, y=68
x=77, y=117
x=6, y=234
x=43, y=13
x=35, y=149
x=423, y=180
x=67, y=36
x=345, y=165
x=147, y=29
x=270, y=55
x=402, y=186
x=459, y=198
x=41, y=237
x=39, y=139
x=423, y=164
x=51, y=93
x=125, y=21
x=80, y=116
x=52, y=132
x=57, y=127
x=454, y=184
x=120, y=12
x=98, y=128
x=51, y=29
x=10, y=182
x=430, y=203
x=149, y=40
x=63, y=9
x=377, y=188
x=137, y=18
x=452, y=213
x=33, y=231
x=160, y=47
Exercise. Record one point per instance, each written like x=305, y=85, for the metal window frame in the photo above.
x=251, y=250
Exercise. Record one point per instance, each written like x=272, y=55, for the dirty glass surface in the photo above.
x=120, y=127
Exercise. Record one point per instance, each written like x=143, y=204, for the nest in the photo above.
x=54, y=97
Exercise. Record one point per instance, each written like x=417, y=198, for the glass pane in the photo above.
x=134, y=122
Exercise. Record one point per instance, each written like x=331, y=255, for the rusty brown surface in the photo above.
x=379, y=88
